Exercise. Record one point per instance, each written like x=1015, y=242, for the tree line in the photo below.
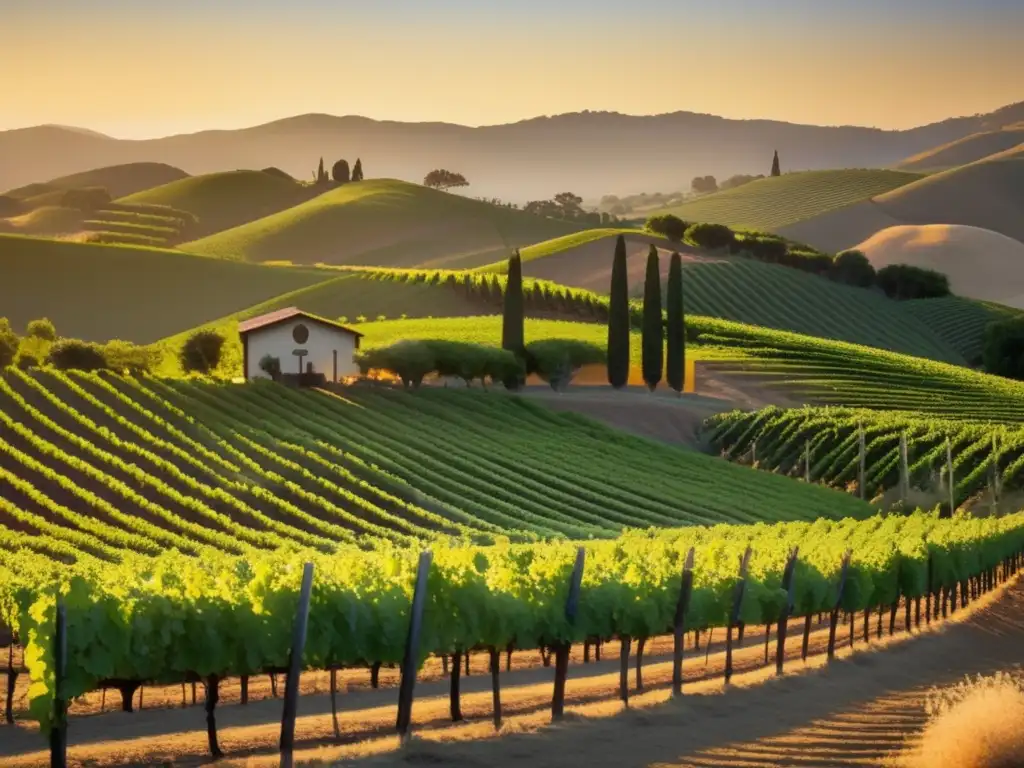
x=340, y=173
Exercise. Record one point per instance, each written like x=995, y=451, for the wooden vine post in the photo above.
x=12, y=679
x=904, y=469
x=862, y=479
x=807, y=461
x=734, y=613
x=950, y=477
x=834, y=617
x=679, y=623
x=495, y=659
x=562, y=651
x=291, y=688
x=59, y=726
x=789, y=585
x=410, y=661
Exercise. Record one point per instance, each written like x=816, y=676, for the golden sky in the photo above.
x=138, y=73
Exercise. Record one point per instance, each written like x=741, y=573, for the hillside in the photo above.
x=384, y=222
x=748, y=291
x=969, y=149
x=988, y=194
x=960, y=322
x=590, y=153
x=770, y=203
x=980, y=264
x=99, y=292
x=118, y=180
x=223, y=200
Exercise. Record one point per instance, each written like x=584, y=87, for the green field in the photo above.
x=767, y=204
x=960, y=322
x=782, y=441
x=99, y=292
x=387, y=223
x=836, y=373
x=755, y=293
x=227, y=199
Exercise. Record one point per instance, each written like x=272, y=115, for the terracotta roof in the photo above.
x=279, y=316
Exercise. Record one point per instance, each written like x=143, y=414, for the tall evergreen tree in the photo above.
x=618, y=319
x=653, y=339
x=357, y=170
x=776, y=170
x=512, y=333
x=321, y=175
x=675, y=359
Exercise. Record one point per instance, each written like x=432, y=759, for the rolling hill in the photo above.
x=969, y=149
x=590, y=153
x=118, y=180
x=960, y=322
x=771, y=203
x=384, y=222
x=223, y=200
x=99, y=292
x=980, y=264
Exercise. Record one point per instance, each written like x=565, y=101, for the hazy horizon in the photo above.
x=142, y=70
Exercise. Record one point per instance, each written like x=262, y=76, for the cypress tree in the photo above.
x=357, y=170
x=512, y=318
x=675, y=362
x=618, y=319
x=776, y=170
x=652, y=346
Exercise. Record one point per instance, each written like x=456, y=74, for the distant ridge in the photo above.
x=589, y=153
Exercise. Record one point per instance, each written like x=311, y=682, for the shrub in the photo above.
x=42, y=329
x=86, y=199
x=126, y=357
x=902, y=281
x=8, y=343
x=340, y=172
x=32, y=351
x=474, y=361
x=667, y=225
x=201, y=352
x=853, y=268
x=271, y=366
x=556, y=361
x=710, y=235
x=73, y=354
x=766, y=248
x=809, y=261
x=1003, y=348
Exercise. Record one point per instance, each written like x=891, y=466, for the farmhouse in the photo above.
x=301, y=342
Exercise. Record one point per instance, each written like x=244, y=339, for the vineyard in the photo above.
x=959, y=322
x=823, y=445
x=768, y=204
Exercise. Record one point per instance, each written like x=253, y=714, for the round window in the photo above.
x=300, y=333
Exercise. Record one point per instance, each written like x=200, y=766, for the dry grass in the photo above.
x=976, y=724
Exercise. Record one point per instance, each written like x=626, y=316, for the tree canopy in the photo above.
x=441, y=178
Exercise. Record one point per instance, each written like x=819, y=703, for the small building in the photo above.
x=302, y=343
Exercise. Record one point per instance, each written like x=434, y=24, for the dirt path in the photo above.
x=985, y=636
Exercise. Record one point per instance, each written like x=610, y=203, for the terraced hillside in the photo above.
x=387, y=223
x=823, y=445
x=139, y=224
x=220, y=201
x=105, y=462
x=98, y=291
x=771, y=203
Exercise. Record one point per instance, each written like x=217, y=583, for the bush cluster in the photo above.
x=668, y=226
x=413, y=359
x=853, y=268
x=556, y=361
x=902, y=281
x=74, y=354
x=201, y=352
x=710, y=236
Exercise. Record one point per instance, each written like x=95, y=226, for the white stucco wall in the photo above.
x=276, y=340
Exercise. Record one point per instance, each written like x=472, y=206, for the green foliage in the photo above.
x=1003, y=350
x=618, y=319
x=126, y=357
x=960, y=322
x=653, y=340
x=340, y=172
x=72, y=354
x=513, y=314
x=557, y=361
x=853, y=268
x=8, y=343
x=357, y=170
x=201, y=352
x=703, y=185
x=902, y=281
x=675, y=327
x=667, y=225
x=271, y=366
x=413, y=359
x=321, y=176
x=776, y=169
x=444, y=179
x=41, y=329
x=710, y=236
